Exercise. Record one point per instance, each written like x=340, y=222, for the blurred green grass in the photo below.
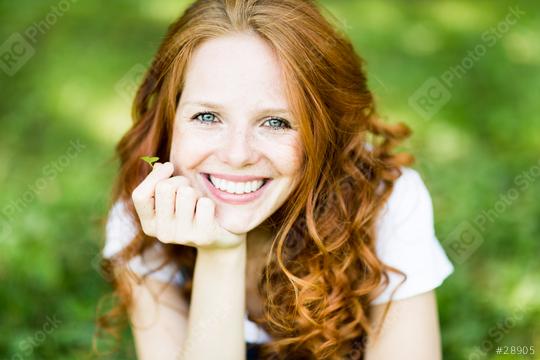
x=77, y=88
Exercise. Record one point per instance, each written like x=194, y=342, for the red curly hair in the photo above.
x=322, y=270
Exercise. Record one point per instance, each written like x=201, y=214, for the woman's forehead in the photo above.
x=235, y=68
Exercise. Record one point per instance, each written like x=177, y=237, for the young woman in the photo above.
x=278, y=223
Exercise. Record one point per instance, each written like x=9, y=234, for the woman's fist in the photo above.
x=175, y=213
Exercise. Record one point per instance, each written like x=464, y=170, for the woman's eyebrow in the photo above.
x=221, y=108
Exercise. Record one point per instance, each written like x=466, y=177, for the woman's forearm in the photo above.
x=216, y=318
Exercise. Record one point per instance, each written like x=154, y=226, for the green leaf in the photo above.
x=150, y=159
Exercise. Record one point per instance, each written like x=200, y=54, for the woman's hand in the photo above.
x=174, y=212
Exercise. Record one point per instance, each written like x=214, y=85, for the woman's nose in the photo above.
x=237, y=150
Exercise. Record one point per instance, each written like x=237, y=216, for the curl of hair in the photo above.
x=322, y=270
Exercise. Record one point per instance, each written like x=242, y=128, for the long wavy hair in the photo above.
x=322, y=270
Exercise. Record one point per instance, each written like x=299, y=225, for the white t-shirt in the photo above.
x=406, y=240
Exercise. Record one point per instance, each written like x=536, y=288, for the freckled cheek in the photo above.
x=190, y=150
x=287, y=159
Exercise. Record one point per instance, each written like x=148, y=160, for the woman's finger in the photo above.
x=165, y=195
x=186, y=198
x=204, y=213
x=143, y=195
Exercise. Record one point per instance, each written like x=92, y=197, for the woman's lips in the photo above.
x=230, y=198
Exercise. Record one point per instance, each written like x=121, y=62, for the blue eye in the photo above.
x=278, y=124
x=206, y=118
x=275, y=123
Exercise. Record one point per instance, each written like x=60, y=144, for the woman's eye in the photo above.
x=278, y=124
x=208, y=118
x=205, y=118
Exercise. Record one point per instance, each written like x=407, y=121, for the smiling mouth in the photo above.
x=236, y=187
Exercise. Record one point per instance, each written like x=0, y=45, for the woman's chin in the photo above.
x=238, y=225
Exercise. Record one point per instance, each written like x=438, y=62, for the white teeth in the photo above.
x=239, y=188
x=236, y=187
x=230, y=187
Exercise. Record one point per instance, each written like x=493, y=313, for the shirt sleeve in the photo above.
x=120, y=231
x=406, y=240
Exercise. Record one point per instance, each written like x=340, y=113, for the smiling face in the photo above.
x=234, y=136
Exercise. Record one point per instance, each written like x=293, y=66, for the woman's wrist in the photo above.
x=223, y=255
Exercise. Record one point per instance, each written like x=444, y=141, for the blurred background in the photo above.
x=463, y=74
